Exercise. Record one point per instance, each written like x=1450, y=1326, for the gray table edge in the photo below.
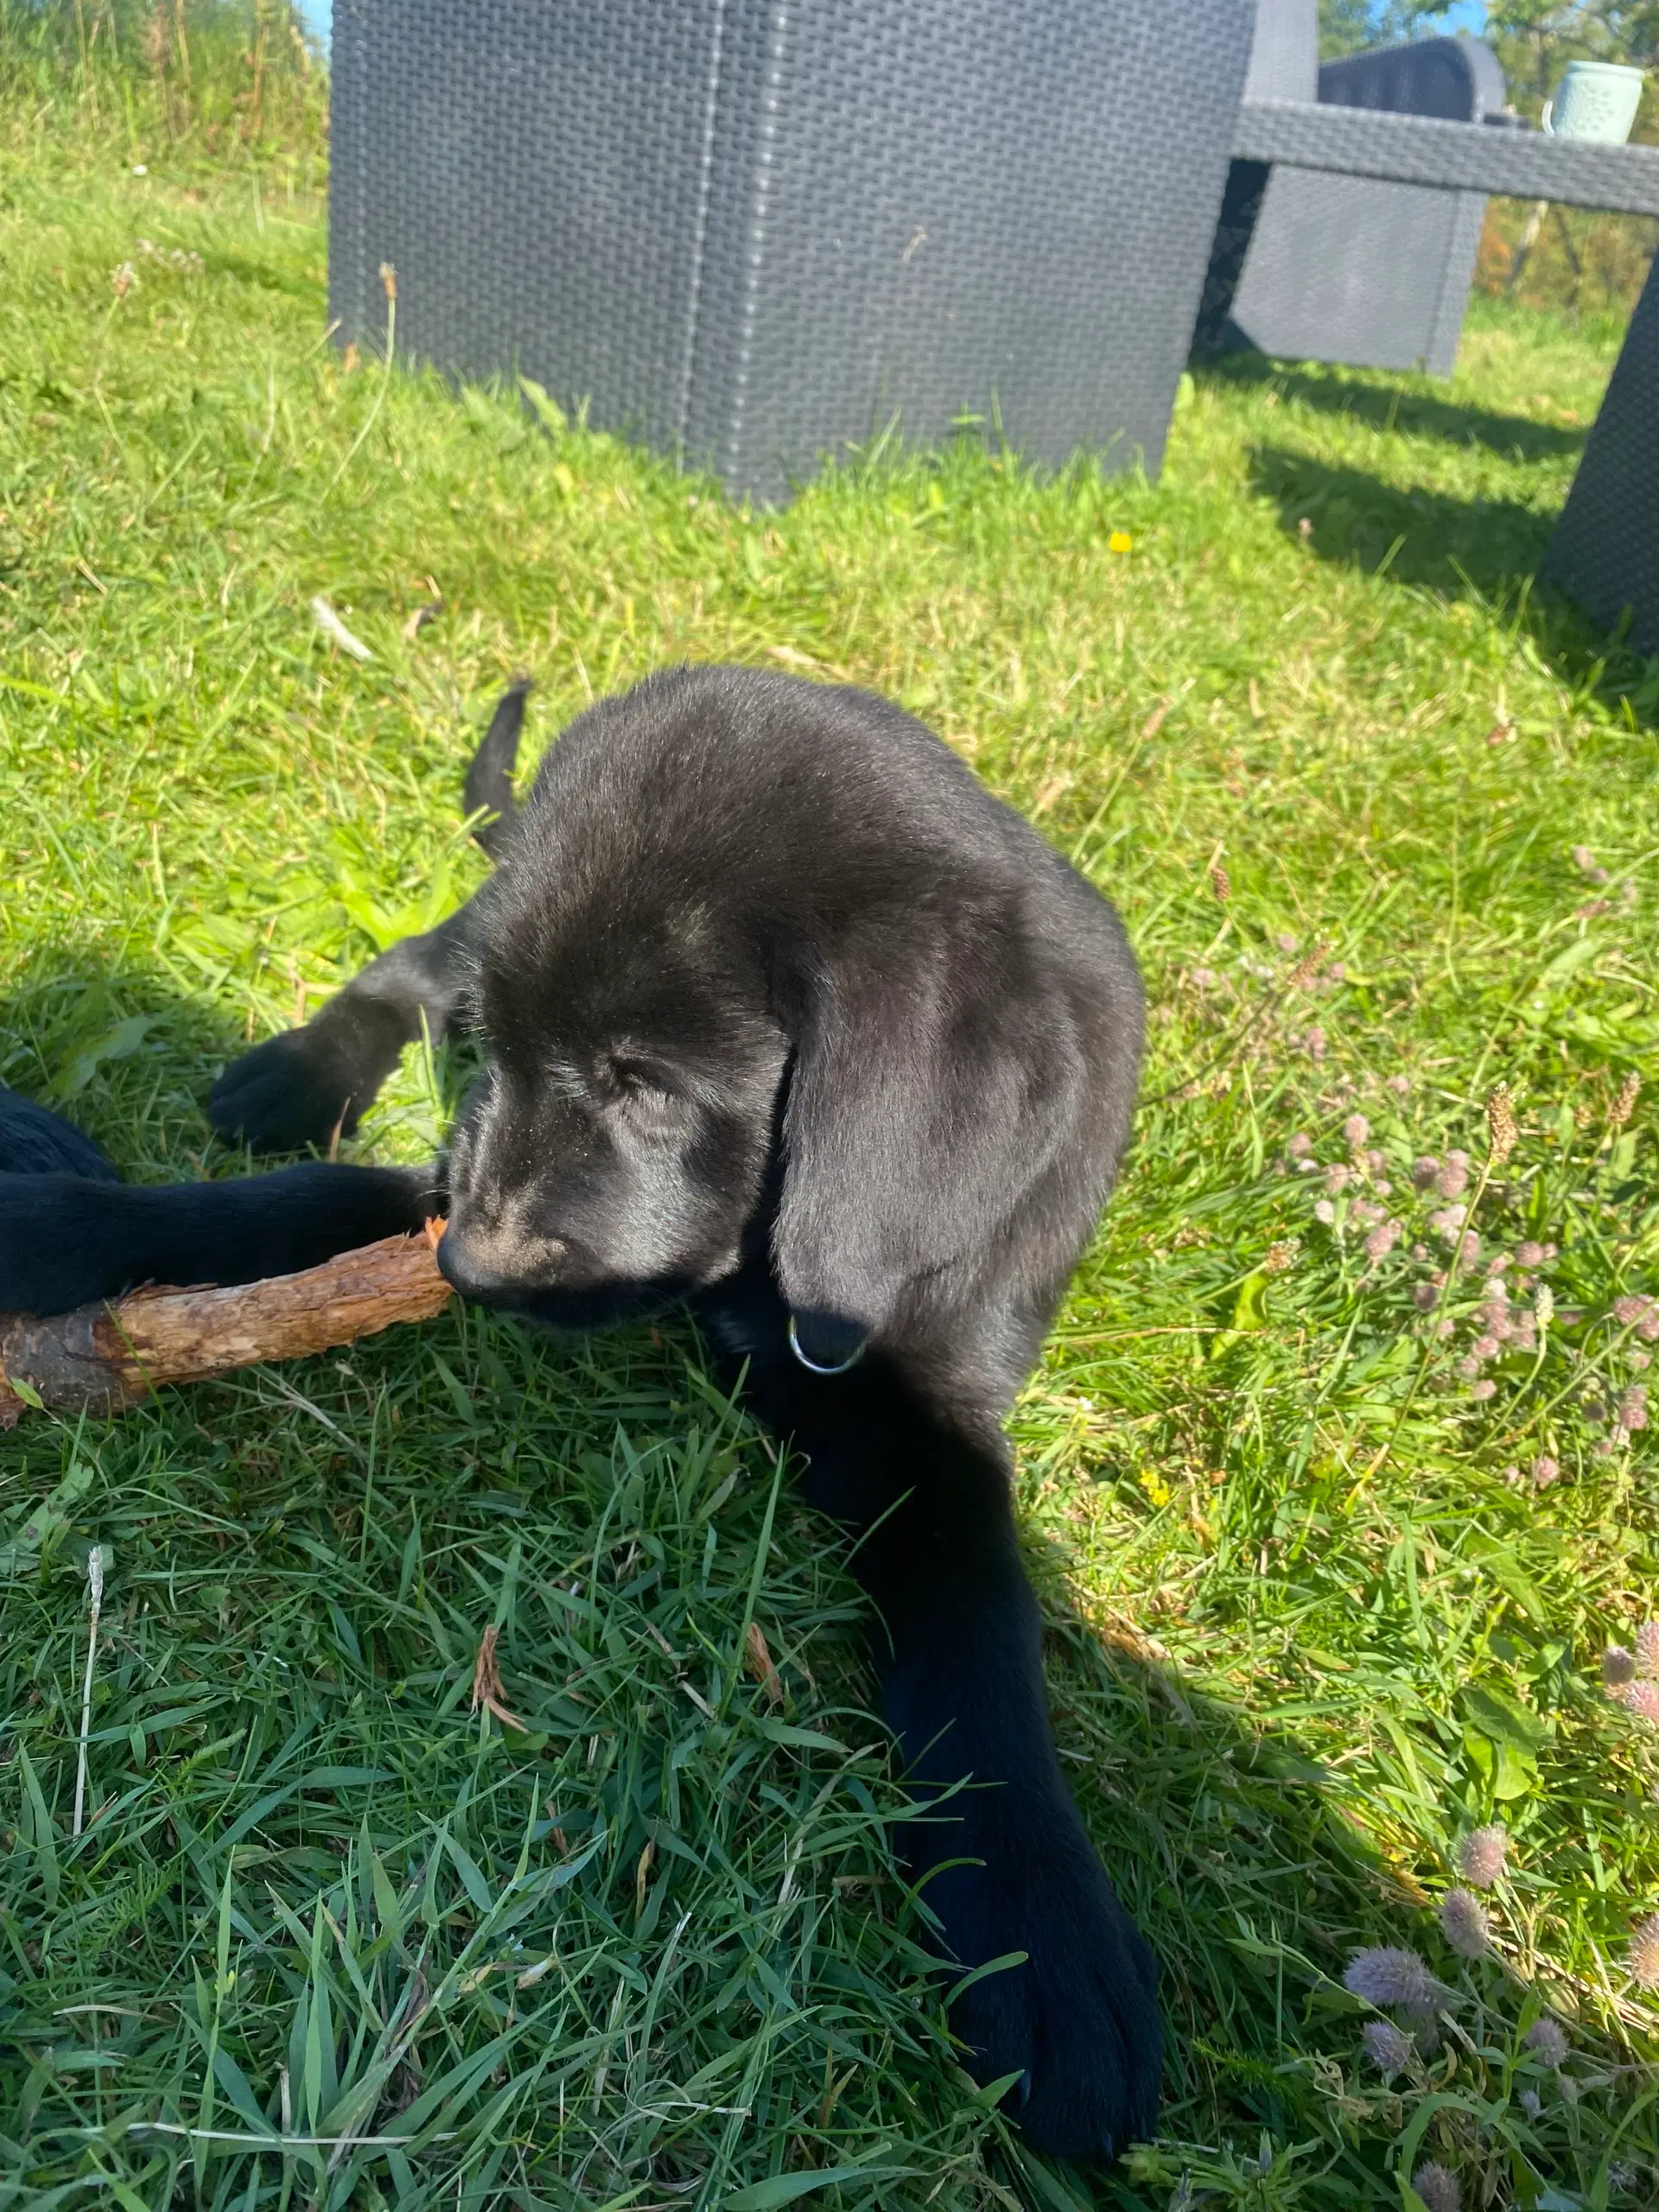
x=1466, y=156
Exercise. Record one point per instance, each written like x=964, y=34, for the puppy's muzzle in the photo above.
x=495, y=1266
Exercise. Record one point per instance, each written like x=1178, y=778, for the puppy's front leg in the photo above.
x=299, y=1088
x=1008, y=1866
x=66, y=1240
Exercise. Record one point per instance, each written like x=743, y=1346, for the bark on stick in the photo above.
x=105, y=1357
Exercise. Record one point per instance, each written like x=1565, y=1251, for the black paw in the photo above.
x=1079, y=2022
x=305, y=1086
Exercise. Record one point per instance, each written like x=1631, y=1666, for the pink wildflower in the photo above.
x=1642, y=1699
x=1388, y=1975
x=1647, y=1647
x=1547, y=2040
x=1484, y=1389
x=1464, y=1923
x=1425, y=1297
x=1481, y=1855
x=1644, y=1954
x=1437, y=2186
x=1388, y=2049
x=1545, y=1471
x=1325, y=1212
x=1529, y=1255
x=1617, y=1667
x=1633, y=1408
x=1336, y=1177
x=1424, y=1169
x=1355, y=1130
x=1453, y=1178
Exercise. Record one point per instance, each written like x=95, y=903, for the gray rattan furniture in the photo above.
x=754, y=233
x=1604, y=552
x=1312, y=266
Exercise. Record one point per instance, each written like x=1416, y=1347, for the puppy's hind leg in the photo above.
x=1006, y=1864
x=34, y=1141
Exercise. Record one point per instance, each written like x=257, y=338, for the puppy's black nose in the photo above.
x=489, y=1267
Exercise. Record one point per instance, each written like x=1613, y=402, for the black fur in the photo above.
x=488, y=787
x=34, y=1141
x=787, y=1017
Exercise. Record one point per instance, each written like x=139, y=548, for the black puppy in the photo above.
x=786, y=1017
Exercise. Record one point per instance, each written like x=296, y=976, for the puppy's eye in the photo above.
x=638, y=1085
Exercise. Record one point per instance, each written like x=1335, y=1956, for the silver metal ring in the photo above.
x=813, y=1366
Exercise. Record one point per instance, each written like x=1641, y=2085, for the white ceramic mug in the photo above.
x=1597, y=102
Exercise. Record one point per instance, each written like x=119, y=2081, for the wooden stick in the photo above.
x=105, y=1357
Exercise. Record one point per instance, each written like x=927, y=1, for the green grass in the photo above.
x=1306, y=1626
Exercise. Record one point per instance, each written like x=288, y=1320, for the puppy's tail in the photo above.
x=488, y=787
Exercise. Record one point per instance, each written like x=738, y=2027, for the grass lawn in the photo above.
x=1382, y=824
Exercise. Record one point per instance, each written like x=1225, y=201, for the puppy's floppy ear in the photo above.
x=931, y=1086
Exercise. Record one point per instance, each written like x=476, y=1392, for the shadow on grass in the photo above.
x=114, y=1047
x=1235, y=1852
x=1486, y=549
x=1233, y=1848
x=1387, y=407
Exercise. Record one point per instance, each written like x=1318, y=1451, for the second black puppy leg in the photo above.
x=1010, y=1865
x=299, y=1088
x=66, y=1239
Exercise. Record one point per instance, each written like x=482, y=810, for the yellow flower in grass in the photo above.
x=1119, y=542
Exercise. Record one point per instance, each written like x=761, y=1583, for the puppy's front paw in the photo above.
x=1078, y=2021
x=300, y=1088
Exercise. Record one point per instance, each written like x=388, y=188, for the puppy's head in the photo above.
x=615, y=1153
x=766, y=969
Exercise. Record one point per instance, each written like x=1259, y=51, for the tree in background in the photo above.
x=1535, y=42
x=1356, y=26
x=1582, y=257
